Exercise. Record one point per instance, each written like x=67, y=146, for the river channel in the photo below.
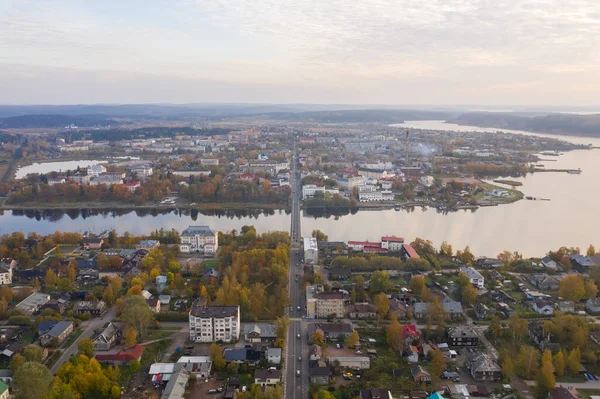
x=531, y=227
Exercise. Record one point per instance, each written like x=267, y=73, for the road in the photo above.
x=295, y=371
x=94, y=324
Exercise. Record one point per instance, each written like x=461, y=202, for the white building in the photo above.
x=367, y=188
x=209, y=161
x=199, y=239
x=310, y=190
x=274, y=355
x=311, y=250
x=426, y=181
x=80, y=179
x=500, y=193
x=6, y=270
x=142, y=170
x=351, y=182
x=378, y=166
x=375, y=196
x=214, y=323
x=392, y=243
x=95, y=170
x=33, y=302
x=188, y=173
x=474, y=276
x=58, y=180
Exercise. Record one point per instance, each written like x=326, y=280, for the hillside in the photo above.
x=53, y=121
x=564, y=124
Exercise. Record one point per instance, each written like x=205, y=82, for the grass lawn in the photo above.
x=69, y=341
x=152, y=351
x=158, y=334
x=586, y=393
x=210, y=263
x=28, y=337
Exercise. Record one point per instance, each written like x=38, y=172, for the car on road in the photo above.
x=298, y=307
x=297, y=335
x=299, y=358
x=297, y=373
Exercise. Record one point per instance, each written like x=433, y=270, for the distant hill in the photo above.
x=360, y=116
x=564, y=124
x=53, y=121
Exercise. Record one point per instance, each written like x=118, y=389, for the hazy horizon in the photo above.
x=538, y=53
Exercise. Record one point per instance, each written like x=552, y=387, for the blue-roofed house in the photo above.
x=582, y=263
x=148, y=244
x=57, y=334
x=211, y=274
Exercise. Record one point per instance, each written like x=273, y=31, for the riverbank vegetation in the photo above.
x=509, y=182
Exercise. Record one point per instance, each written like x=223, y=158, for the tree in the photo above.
x=6, y=293
x=135, y=313
x=109, y=295
x=574, y=361
x=382, y=304
x=438, y=363
x=216, y=354
x=318, y=338
x=495, y=327
x=130, y=336
x=591, y=291
x=528, y=361
x=559, y=363
x=418, y=286
x=117, y=285
x=572, y=288
x=394, y=335
x=281, y=327
x=446, y=249
x=3, y=308
x=545, y=378
x=380, y=282
x=16, y=362
x=319, y=235
x=86, y=347
x=468, y=295
x=50, y=279
x=591, y=251
x=352, y=339
x=33, y=353
x=517, y=326
x=32, y=380
x=102, y=261
x=508, y=368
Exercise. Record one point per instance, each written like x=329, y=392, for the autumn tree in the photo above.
x=318, y=338
x=109, y=296
x=508, y=368
x=438, y=363
x=135, y=313
x=545, y=377
x=380, y=282
x=394, y=335
x=3, y=308
x=352, y=339
x=50, y=279
x=574, y=361
x=86, y=347
x=591, y=251
x=559, y=363
x=418, y=286
x=319, y=235
x=573, y=288
x=591, y=290
x=116, y=284
x=495, y=327
x=102, y=261
x=31, y=380
x=446, y=249
x=517, y=326
x=216, y=355
x=6, y=293
x=281, y=327
x=382, y=304
x=528, y=361
x=33, y=353
x=130, y=336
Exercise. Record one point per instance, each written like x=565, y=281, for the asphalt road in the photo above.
x=295, y=372
x=94, y=323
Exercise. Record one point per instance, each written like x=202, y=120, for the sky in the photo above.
x=447, y=52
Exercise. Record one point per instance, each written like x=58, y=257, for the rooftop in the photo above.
x=214, y=311
x=198, y=230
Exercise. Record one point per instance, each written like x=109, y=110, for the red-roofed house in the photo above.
x=410, y=334
x=374, y=248
x=123, y=357
x=131, y=186
x=359, y=245
x=247, y=177
x=409, y=252
x=392, y=243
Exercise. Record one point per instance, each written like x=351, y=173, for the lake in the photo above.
x=530, y=227
x=46, y=167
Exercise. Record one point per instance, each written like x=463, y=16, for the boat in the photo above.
x=574, y=171
x=397, y=207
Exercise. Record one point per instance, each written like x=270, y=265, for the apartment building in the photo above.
x=214, y=323
x=330, y=303
x=6, y=270
x=375, y=196
x=310, y=190
x=199, y=239
x=311, y=250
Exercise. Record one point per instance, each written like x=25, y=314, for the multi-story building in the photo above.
x=311, y=299
x=268, y=166
x=392, y=243
x=199, y=239
x=142, y=170
x=6, y=270
x=95, y=170
x=474, y=276
x=209, y=161
x=330, y=303
x=214, y=323
x=311, y=250
x=348, y=183
x=384, y=195
x=80, y=179
x=310, y=190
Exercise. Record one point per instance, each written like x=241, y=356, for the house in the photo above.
x=177, y=384
x=593, y=305
x=161, y=280
x=319, y=374
x=413, y=354
x=57, y=334
x=33, y=303
x=352, y=362
x=4, y=391
x=543, y=339
x=331, y=331
x=199, y=239
x=409, y=252
x=545, y=282
x=123, y=357
x=582, y=263
x=6, y=375
x=94, y=308
x=375, y=393
x=488, y=263
x=54, y=305
x=482, y=311
x=315, y=352
x=214, y=323
x=483, y=368
x=361, y=311
x=109, y=337
x=198, y=366
x=330, y=303
x=268, y=377
x=7, y=266
x=164, y=300
x=392, y=243
x=549, y=263
x=148, y=244
x=332, y=248
x=419, y=374
x=565, y=306
x=260, y=333
x=411, y=334
x=462, y=335
x=153, y=304
x=474, y=276
x=561, y=392
x=273, y=355
x=542, y=307
x=452, y=309
x=92, y=243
